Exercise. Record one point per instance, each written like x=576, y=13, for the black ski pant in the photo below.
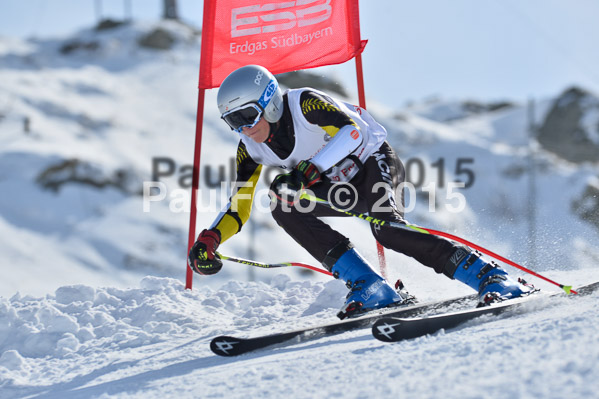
x=371, y=191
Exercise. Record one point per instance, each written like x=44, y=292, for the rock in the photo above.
x=76, y=45
x=587, y=206
x=571, y=128
x=158, y=39
x=107, y=24
x=75, y=171
x=298, y=79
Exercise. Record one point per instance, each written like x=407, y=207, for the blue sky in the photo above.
x=475, y=49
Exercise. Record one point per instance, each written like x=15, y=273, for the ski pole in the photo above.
x=381, y=222
x=271, y=265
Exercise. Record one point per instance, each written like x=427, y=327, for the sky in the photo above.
x=489, y=50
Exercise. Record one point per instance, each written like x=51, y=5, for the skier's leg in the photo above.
x=385, y=171
x=368, y=290
x=314, y=235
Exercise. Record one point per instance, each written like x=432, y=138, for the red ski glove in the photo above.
x=202, y=257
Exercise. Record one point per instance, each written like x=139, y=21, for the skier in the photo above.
x=325, y=144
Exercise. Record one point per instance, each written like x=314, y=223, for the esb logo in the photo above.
x=275, y=17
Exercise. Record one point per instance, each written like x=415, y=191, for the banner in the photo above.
x=282, y=36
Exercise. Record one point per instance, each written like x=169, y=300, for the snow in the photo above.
x=92, y=300
x=153, y=340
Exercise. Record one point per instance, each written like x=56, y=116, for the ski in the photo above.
x=392, y=329
x=234, y=346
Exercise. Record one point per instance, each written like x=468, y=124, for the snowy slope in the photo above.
x=92, y=301
x=152, y=341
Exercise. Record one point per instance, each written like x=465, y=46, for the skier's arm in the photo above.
x=202, y=256
x=237, y=211
x=345, y=134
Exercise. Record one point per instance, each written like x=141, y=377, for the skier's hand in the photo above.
x=286, y=187
x=202, y=257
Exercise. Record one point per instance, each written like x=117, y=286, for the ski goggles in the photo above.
x=247, y=115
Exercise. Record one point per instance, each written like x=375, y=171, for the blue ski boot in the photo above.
x=368, y=290
x=492, y=282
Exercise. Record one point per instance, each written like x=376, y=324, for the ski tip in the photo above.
x=225, y=346
x=385, y=329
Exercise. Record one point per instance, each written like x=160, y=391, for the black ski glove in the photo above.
x=286, y=186
x=202, y=257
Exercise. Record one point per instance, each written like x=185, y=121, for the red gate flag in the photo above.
x=282, y=36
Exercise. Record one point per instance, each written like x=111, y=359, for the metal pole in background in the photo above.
x=170, y=9
x=98, y=9
x=128, y=11
x=532, y=186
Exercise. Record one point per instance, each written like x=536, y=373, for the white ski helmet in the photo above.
x=246, y=91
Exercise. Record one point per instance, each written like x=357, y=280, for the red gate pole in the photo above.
x=205, y=70
x=362, y=102
x=195, y=183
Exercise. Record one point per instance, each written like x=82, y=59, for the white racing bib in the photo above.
x=311, y=138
